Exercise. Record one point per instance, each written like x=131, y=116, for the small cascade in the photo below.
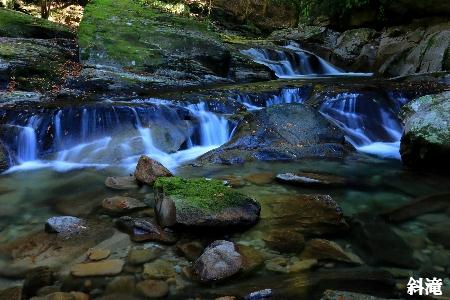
x=102, y=136
x=285, y=95
x=370, y=125
x=295, y=62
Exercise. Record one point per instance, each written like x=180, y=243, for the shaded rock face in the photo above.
x=4, y=158
x=419, y=47
x=202, y=203
x=154, y=49
x=275, y=133
x=148, y=170
x=426, y=139
x=36, y=64
x=220, y=260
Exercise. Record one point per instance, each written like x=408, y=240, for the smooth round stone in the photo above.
x=285, y=240
x=98, y=253
x=121, y=183
x=65, y=226
x=153, y=288
x=101, y=268
x=159, y=269
x=120, y=204
x=138, y=256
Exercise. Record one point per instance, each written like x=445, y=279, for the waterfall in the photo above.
x=114, y=135
x=213, y=129
x=295, y=62
x=370, y=126
x=285, y=95
x=27, y=141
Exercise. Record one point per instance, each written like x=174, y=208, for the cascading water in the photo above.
x=286, y=95
x=370, y=126
x=295, y=62
x=111, y=135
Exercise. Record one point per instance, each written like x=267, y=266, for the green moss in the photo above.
x=202, y=194
x=16, y=24
x=126, y=33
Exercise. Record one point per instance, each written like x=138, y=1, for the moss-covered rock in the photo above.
x=36, y=64
x=149, y=47
x=19, y=25
x=426, y=138
x=202, y=202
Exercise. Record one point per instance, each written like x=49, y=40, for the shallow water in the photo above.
x=27, y=199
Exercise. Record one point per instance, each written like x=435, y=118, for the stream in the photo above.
x=61, y=156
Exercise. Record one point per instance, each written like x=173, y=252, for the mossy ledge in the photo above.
x=202, y=202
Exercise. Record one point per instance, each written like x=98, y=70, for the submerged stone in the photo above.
x=202, y=202
x=159, y=269
x=311, y=179
x=121, y=205
x=339, y=295
x=98, y=254
x=102, y=268
x=259, y=295
x=153, y=288
x=220, y=260
x=285, y=240
x=329, y=250
x=139, y=256
x=121, y=183
x=148, y=170
x=143, y=230
x=65, y=226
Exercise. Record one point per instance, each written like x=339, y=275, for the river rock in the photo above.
x=101, y=268
x=252, y=259
x=423, y=205
x=308, y=179
x=328, y=250
x=65, y=226
x=380, y=243
x=121, y=285
x=340, y=295
x=148, y=170
x=98, y=254
x=36, y=279
x=159, y=269
x=302, y=265
x=426, y=139
x=274, y=133
x=139, y=256
x=308, y=214
x=261, y=178
x=190, y=250
x=259, y=295
x=13, y=293
x=220, y=260
x=121, y=183
x=202, y=202
x=153, y=288
x=143, y=230
x=121, y=205
x=285, y=240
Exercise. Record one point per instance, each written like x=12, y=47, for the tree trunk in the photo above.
x=46, y=6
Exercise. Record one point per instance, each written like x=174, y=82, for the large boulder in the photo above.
x=202, y=203
x=141, y=47
x=283, y=132
x=19, y=25
x=426, y=139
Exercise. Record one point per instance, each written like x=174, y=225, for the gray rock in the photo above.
x=275, y=133
x=426, y=139
x=263, y=294
x=220, y=260
x=65, y=226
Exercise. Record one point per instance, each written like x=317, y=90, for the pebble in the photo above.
x=98, y=254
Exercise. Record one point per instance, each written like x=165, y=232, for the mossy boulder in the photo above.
x=19, y=25
x=202, y=203
x=282, y=132
x=426, y=139
x=146, y=47
x=36, y=64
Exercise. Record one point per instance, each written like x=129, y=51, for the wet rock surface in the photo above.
x=311, y=179
x=220, y=260
x=328, y=250
x=121, y=183
x=274, y=134
x=106, y=267
x=121, y=205
x=148, y=170
x=426, y=138
x=202, y=203
x=144, y=230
